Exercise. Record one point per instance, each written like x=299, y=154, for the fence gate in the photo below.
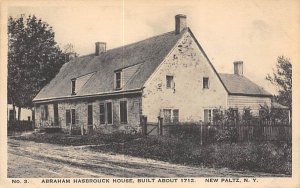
x=151, y=128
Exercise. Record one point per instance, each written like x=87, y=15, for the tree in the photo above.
x=282, y=79
x=34, y=58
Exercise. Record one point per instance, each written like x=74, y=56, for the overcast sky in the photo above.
x=256, y=32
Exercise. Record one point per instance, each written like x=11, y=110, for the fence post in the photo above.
x=144, y=125
x=201, y=142
x=160, y=125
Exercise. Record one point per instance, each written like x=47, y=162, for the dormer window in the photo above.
x=118, y=80
x=73, y=86
x=78, y=82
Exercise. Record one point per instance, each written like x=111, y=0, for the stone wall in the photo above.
x=81, y=108
x=188, y=65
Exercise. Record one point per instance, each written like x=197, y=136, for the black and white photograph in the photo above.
x=150, y=93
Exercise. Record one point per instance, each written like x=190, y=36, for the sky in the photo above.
x=255, y=32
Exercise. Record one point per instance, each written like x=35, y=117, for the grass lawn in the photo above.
x=268, y=157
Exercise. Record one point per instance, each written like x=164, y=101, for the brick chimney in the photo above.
x=238, y=68
x=180, y=23
x=100, y=48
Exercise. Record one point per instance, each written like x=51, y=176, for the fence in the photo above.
x=14, y=126
x=243, y=132
x=264, y=133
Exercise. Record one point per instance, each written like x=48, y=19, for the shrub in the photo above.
x=226, y=134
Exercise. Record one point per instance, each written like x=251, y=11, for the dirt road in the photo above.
x=39, y=160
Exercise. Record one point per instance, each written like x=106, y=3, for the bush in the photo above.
x=227, y=134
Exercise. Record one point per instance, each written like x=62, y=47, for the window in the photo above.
x=90, y=114
x=102, y=113
x=171, y=115
x=175, y=116
x=205, y=82
x=44, y=112
x=123, y=111
x=106, y=114
x=73, y=116
x=73, y=86
x=68, y=117
x=118, y=78
x=207, y=116
x=167, y=115
x=170, y=81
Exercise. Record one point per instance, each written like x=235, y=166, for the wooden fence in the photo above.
x=265, y=131
x=14, y=126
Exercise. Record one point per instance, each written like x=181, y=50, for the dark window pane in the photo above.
x=73, y=116
x=102, y=114
x=109, y=112
x=123, y=111
x=205, y=82
x=169, y=80
x=90, y=114
x=73, y=86
x=175, y=116
x=68, y=117
x=118, y=80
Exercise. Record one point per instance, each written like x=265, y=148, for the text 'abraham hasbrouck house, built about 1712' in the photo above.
x=168, y=75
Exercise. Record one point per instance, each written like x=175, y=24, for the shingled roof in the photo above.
x=148, y=53
x=240, y=85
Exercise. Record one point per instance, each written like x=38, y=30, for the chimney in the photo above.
x=100, y=48
x=180, y=23
x=238, y=68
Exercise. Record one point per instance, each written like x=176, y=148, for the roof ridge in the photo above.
x=140, y=41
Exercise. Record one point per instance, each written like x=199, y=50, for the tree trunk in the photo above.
x=19, y=113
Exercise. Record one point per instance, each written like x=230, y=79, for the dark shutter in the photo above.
x=55, y=106
x=102, y=114
x=46, y=112
x=68, y=117
x=90, y=114
x=123, y=111
x=73, y=116
x=109, y=112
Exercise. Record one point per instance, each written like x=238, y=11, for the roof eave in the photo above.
x=251, y=95
x=74, y=97
x=201, y=49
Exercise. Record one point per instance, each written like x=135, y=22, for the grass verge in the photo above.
x=270, y=157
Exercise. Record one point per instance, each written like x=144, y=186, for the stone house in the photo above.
x=167, y=75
